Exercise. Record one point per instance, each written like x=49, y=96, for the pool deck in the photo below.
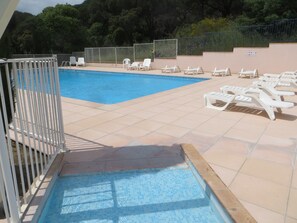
x=254, y=156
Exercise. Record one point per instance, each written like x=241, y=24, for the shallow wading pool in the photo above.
x=148, y=195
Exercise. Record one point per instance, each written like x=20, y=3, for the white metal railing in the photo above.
x=31, y=129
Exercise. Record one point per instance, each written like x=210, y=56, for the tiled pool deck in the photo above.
x=255, y=157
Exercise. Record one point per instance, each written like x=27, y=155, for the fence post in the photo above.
x=176, y=48
x=116, y=58
x=92, y=55
x=134, y=52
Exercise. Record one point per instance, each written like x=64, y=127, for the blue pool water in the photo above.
x=146, y=196
x=111, y=88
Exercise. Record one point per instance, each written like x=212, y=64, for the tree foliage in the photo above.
x=66, y=28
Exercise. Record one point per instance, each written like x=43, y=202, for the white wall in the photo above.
x=278, y=57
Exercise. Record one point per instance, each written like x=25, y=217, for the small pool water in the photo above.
x=146, y=196
x=111, y=87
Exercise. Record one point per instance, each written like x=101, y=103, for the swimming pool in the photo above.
x=149, y=195
x=112, y=88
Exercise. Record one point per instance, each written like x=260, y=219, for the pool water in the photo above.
x=150, y=195
x=111, y=87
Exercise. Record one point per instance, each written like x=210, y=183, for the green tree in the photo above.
x=95, y=34
x=203, y=26
x=270, y=10
x=64, y=28
x=7, y=47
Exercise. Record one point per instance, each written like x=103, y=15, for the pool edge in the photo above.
x=227, y=199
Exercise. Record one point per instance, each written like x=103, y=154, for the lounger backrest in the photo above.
x=126, y=61
x=81, y=60
x=147, y=62
x=72, y=60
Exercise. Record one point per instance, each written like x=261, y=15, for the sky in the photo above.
x=36, y=6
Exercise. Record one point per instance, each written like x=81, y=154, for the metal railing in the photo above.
x=31, y=129
x=166, y=48
x=60, y=56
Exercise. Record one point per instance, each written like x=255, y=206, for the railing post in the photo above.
x=7, y=176
x=5, y=168
x=59, y=109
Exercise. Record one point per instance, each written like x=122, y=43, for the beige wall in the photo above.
x=273, y=59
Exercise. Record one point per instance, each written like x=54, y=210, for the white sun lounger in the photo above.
x=269, y=75
x=221, y=72
x=133, y=66
x=80, y=62
x=290, y=72
x=248, y=73
x=197, y=70
x=174, y=69
x=288, y=76
x=260, y=99
x=285, y=82
x=282, y=75
x=268, y=89
x=72, y=61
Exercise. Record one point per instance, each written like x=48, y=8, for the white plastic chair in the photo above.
x=146, y=65
x=72, y=61
x=133, y=66
x=126, y=62
x=81, y=62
